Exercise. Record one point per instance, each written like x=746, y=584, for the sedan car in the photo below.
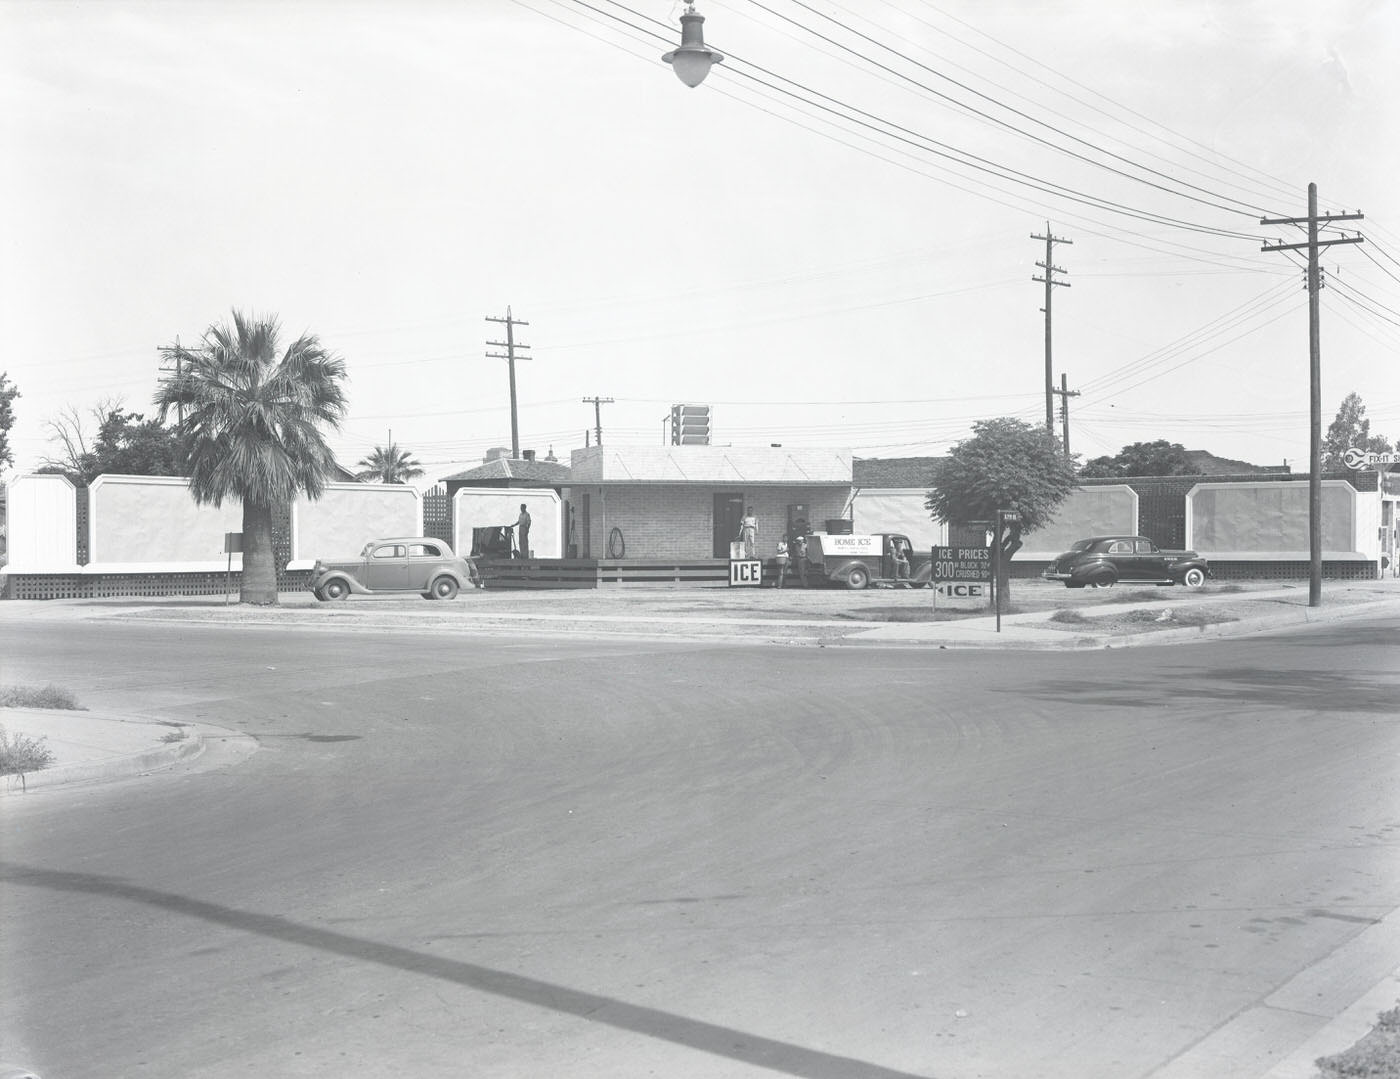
x=1103, y=561
x=419, y=564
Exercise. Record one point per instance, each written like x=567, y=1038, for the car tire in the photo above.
x=1194, y=577
x=1106, y=581
x=444, y=588
x=334, y=589
x=857, y=578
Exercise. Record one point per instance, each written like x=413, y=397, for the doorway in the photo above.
x=729, y=513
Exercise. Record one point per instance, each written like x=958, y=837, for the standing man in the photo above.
x=782, y=561
x=522, y=531
x=748, y=533
x=799, y=550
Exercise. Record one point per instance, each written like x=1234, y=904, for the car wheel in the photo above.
x=1194, y=577
x=1103, y=582
x=444, y=588
x=334, y=589
x=857, y=578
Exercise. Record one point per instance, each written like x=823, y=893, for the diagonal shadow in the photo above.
x=711, y=1038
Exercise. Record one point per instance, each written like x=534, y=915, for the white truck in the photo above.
x=857, y=561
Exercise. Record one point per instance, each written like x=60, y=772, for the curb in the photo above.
x=134, y=764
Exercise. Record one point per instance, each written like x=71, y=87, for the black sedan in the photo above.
x=1103, y=561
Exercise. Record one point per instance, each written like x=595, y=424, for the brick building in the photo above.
x=685, y=502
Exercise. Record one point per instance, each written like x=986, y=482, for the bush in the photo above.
x=22, y=754
x=49, y=696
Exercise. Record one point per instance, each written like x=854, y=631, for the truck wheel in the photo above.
x=1194, y=577
x=444, y=588
x=857, y=578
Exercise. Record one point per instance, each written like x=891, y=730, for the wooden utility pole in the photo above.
x=510, y=345
x=1065, y=393
x=598, y=403
x=1050, y=271
x=1313, y=245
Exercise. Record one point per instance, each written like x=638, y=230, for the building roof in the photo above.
x=893, y=472
x=710, y=465
x=504, y=470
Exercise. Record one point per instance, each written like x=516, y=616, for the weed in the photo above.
x=49, y=696
x=21, y=753
x=1068, y=617
x=177, y=735
x=1376, y=1056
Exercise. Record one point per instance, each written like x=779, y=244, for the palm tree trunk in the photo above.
x=259, y=583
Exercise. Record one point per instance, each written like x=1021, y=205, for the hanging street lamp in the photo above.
x=692, y=61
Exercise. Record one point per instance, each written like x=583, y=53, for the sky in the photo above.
x=829, y=241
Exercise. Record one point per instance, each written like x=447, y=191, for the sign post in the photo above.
x=233, y=543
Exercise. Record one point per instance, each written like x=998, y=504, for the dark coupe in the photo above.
x=1103, y=561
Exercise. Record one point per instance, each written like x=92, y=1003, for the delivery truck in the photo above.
x=885, y=559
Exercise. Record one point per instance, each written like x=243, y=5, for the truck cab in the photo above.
x=857, y=561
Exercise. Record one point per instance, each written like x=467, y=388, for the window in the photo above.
x=423, y=550
x=389, y=550
x=1146, y=547
x=1120, y=547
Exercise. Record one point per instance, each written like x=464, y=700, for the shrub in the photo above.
x=20, y=754
x=49, y=696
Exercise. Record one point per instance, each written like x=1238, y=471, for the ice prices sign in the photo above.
x=962, y=564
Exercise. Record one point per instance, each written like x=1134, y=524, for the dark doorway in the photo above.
x=729, y=512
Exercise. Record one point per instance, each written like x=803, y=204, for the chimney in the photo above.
x=496, y=453
x=529, y=455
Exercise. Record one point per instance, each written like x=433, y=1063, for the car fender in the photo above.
x=354, y=586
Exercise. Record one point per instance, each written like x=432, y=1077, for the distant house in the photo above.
x=501, y=470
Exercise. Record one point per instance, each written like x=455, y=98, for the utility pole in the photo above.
x=1065, y=393
x=1050, y=271
x=598, y=403
x=1313, y=245
x=510, y=345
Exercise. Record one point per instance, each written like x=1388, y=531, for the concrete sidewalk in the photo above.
x=95, y=746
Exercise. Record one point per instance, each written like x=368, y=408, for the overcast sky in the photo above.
x=852, y=272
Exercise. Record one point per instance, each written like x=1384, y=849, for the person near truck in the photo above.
x=522, y=531
x=901, y=560
x=748, y=533
x=799, y=551
x=782, y=561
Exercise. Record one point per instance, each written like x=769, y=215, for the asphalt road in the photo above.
x=457, y=856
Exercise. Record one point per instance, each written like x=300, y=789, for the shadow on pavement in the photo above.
x=710, y=1038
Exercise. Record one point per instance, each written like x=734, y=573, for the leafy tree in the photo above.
x=254, y=423
x=389, y=464
x=1350, y=429
x=1007, y=464
x=126, y=443
x=1160, y=458
x=8, y=393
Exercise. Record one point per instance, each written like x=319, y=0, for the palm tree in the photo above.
x=389, y=464
x=253, y=425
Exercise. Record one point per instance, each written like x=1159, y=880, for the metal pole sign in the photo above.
x=233, y=544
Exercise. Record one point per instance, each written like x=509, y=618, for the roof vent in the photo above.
x=497, y=453
x=529, y=455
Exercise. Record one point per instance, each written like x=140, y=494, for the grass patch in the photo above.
x=1069, y=618
x=20, y=753
x=1376, y=1056
x=49, y=696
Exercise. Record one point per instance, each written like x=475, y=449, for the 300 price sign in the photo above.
x=962, y=563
